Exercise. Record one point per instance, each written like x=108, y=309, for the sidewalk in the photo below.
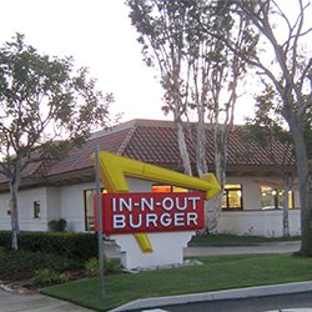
x=260, y=248
x=111, y=251
x=14, y=302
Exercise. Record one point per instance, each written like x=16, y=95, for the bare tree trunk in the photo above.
x=14, y=182
x=14, y=216
x=304, y=184
x=213, y=207
x=202, y=167
x=306, y=217
x=288, y=184
x=183, y=148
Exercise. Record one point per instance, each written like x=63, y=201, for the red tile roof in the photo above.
x=80, y=158
x=155, y=142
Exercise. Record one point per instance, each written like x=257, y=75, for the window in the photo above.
x=273, y=198
x=89, y=197
x=36, y=209
x=167, y=189
x=8, y=205
x=89, y=209
x=232, y=197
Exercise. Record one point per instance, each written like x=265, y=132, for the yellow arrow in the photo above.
x=114, y=169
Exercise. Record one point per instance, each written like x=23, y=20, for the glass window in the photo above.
x=232, y=197
x=167, y=189
x=8, y=205
x=36, y=209
x=273, y=198
x=161, y=188
x=89, y=209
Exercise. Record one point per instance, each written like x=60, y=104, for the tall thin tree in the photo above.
x=46, y=107
x=197, y=71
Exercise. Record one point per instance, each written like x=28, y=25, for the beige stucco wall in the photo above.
x=260, y=223
x=252, y=192
x=4, y=207
x=26, y=200
x=68, y=202
x=72, y=205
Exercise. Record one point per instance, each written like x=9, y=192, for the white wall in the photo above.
x=261, y=223
x=68, y=202
x=251, y=220
x=53, y=203
x=72, y=205
x=5, y=220
x=251, y=190
x=26, y=199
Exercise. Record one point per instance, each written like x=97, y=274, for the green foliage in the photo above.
x=45, y=276
x=5, y=239
x=57, y=225
x=38, y=92
x=71, y=245
x=92, y=267
x=182, y=38
x=21, y=265
x=267, y=130
x=47, y=107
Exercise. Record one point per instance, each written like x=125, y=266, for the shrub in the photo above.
x=5, y=239
x=81, y=246
x=47, y=276
x=57, y=225
x=92, y=267
x=21, y=265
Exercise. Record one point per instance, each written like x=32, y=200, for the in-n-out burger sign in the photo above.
x=152, y=212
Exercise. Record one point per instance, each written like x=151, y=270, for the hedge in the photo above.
x=72, y=245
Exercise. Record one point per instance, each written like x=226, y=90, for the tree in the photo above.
x=161, y=27
x=268, y=131
x=46, y=107
x=290, y=74
x=195, y=70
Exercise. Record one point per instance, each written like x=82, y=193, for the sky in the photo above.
x=99, y=35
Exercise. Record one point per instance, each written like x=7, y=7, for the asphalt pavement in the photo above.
x=16, y=302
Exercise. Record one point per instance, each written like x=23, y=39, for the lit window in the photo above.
x=167, y=189
x=36, y=209
x=232, y=197
x=161, y=188
x=89, y=197
x=273, y=198
x=89, y=209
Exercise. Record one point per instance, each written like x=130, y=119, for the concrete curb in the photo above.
x=261, y=291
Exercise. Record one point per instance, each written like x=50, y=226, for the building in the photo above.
x=252, y=197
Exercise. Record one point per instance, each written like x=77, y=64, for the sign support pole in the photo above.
x=99, y=220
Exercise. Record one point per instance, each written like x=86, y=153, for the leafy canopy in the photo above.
x=44, y=100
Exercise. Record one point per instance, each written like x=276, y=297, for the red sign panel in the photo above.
x=152, y=212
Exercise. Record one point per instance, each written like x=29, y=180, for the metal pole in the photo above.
x=99, y=220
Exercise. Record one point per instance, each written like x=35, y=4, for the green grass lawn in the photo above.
x=217, y=273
